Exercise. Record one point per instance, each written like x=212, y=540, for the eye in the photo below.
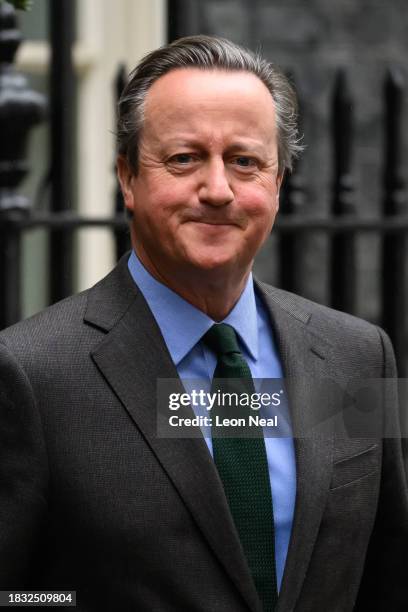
x=182, y=159
x=183, y=162
x=243, y=161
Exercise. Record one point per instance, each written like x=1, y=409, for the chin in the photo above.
x=214, y=262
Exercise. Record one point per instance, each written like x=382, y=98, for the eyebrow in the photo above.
x=246, y=146
x=237, y=146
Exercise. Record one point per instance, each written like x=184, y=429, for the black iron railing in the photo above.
x=20, y=109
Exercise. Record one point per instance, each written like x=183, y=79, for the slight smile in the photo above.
x=214, y=223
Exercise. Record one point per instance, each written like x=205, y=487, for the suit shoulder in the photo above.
x=332, y=324
x=67, y=331
x=355, y=344
x=53, y=326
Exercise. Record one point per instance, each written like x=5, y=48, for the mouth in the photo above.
x=211, y=223
x=209, y=228
x=222, y=223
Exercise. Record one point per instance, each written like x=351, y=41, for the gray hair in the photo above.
x=206, y=52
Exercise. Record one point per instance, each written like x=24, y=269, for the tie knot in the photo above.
x=222, y=339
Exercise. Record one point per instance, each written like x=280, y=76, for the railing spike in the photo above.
x=343, y=287
x=122, y=242
x=395, y=202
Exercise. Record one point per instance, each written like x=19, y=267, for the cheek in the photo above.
x=260, y=205
x=158, y=218
x=169, y=197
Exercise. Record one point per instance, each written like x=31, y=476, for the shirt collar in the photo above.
x=182, y=324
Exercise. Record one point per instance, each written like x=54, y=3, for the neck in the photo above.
x=213, y=292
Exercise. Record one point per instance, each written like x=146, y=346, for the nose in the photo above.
x=215, y=188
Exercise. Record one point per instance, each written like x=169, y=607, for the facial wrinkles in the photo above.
x=201, y=212
x=208, y=145
x=206, y=122
x=172, y=127
x=220, y=137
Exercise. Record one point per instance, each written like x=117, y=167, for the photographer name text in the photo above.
x=218, y=421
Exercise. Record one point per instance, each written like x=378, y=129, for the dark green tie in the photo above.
x=243, y=468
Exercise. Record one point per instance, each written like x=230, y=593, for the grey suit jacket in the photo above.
x=92, y=500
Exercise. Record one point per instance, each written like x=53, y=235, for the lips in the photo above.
x=224, y=223
x=215, y=222
x=209, y=218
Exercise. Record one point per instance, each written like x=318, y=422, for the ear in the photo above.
x=125, y=177
x=279, y=180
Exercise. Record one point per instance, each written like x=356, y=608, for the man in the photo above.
x=92, y=498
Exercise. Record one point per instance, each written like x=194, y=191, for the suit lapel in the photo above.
x=131, y=357
x=306, y=360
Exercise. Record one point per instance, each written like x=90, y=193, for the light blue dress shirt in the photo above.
x=182, y=326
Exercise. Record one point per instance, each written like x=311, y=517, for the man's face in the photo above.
x=206, y=192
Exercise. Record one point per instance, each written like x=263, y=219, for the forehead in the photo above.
x=194, y=95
